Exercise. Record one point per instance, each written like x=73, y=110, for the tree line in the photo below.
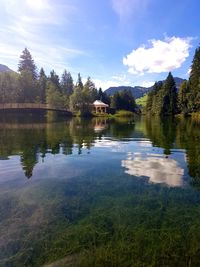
x=166, y=99
x=29, y=86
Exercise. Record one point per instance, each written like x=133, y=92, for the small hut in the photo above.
x=100, y=107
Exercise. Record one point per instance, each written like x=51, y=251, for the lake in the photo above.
x=99, y=192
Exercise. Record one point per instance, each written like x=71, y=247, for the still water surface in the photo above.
x=99, y=192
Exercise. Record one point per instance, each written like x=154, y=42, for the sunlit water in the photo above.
x=55, y=177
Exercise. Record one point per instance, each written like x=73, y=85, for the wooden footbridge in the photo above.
x=31, y=106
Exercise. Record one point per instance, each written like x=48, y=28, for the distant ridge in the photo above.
x=4, y=68
x=137, y=91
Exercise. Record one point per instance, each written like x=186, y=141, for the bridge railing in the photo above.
x=29, y=106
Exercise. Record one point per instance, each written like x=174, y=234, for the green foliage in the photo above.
x=27, y=64
x=67, y=84
x=54, y=78
x=123, y=100
x=169, y=105
x=83, y=97
x=183, y=98
x=155, y=99
x=42, y=85
x=79, y=83
x=124, y=113
x=194, y=83
x=9, y=87
x=54, y=97
x=103, y=97
x=28, y=87
x=162, y=100
x=142, y=101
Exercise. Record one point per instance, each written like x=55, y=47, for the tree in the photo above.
x=103, y=97
x=26, y=63
x=115, y=101
x=169, y=106
x=67, y=83
x=194, y=82
x=90, y=88
x=53, y=96
x=79, y=83
x=9, y=87
x=80, y=101
x=83, y=96
x=28, y=87
x=183, y=98
x=42, y=83
x=123, y=100
x=54, y=78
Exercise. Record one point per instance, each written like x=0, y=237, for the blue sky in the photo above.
x=116, y=42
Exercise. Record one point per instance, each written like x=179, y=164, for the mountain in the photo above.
x=178, y=81
x=137, y=91
x=4, y=68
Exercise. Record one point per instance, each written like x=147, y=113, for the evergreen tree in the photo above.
x=67, y=83
x=183, y=98
x=9, y=87
x=53, y=96
x=123, y=100
x=115, y=101
x=89, y=87
x=79, y=83
x=169, y=105
x=54, y=78
x=26, y=63
x=103, y=97
x=42, y=83
x=149, y=104
x=28, y=87
x=194, y=82
x=157, y=98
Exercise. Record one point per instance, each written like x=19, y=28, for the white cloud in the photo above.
x=158, y=168
x=105, y=84
x=189, y=71
x=161, y=56
x=147, y=84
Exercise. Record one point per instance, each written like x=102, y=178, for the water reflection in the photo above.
x=30, y=139
x=158, y=168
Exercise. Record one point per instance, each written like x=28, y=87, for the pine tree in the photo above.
x=54, y=78
x=79, y=83
x=42, y=83
x=67, y=83
x=169, y=96
x=194, y=82
x=154, y=99
x=103, y=97
x=89, y=87
x=26, y=63
x=183, y=98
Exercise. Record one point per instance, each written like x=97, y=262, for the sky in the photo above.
x=115, y=42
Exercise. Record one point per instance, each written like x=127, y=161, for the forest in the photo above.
x=29, y=86
x=166, y=99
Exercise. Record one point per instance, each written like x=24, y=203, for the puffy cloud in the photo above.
x=105, y=84
x=158, y=168
x=161, y=56
x=147, y=84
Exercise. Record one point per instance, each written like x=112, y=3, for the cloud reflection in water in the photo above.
x=157, y=167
